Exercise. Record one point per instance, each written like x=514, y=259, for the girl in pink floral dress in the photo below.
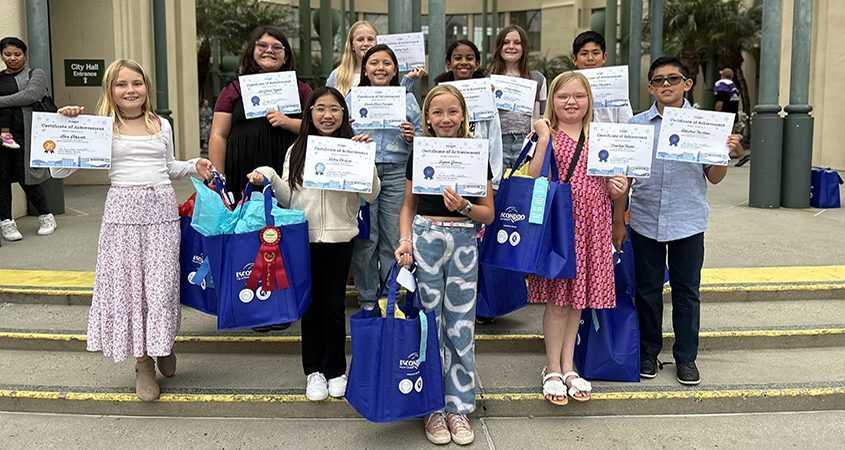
x=568, y=115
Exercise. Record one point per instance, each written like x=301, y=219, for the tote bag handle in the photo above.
x=549, y=168
x=393, y=287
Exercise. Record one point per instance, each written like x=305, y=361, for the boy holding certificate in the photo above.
x=669, y=215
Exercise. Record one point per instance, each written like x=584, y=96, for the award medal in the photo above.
x=268, y=268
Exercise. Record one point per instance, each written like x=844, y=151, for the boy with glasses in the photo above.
x=669, y=215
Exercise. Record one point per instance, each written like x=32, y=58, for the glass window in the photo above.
x=456, y=27
x=530, y=21
x=379, y=20
x=477, y=30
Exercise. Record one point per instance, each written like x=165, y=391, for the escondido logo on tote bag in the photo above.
x=511, y=214
x=243, y=274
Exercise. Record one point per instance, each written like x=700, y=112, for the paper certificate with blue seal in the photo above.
x=377, y=107
x=81, y=142
x=265, y=91
x=693, y=135
x=457, y=163
x=338, y=164
x=609, y=86
x=478, y=94
x=514, y=93
x=409, y=49
x=620, y=149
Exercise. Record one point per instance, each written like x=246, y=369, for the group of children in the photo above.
x=135, y=308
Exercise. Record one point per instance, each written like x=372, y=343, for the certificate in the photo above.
x=609, y=86
x=408, y=47
x=338, y=164
x=693, y=135
x=457, y=163
x=514, y=93
x=620, y=149
x=82, y=142
x=265, y=91
x=377, y=107
x=478, y=94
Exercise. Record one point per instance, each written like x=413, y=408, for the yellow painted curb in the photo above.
x=299, y=398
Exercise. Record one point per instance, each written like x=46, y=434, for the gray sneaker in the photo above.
x=47, y=224
x=10, y=230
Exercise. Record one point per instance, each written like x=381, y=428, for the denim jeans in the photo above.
x=511, y=146
x=686, y=256
x=372, y=257
x=447, y=274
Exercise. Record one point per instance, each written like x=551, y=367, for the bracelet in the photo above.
x=406, y=239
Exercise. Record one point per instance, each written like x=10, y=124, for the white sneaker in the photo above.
x=48, y=224
x=10, y=230
x=337, y=386
x=317, y=387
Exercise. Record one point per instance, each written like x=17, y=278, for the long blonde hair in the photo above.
x=107, y=106
x=442, y=89
x=558, y=83
x=346, y=69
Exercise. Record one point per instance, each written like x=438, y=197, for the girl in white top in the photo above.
x=135, y=307
x=362, y=35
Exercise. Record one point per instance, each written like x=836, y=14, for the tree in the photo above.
x=550, y=67
x=229, y=22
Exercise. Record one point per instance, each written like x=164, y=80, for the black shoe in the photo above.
x=648, y=366
x=743, y=160
x=484, y=320
x=688, y=374
x=280, y=326
x=262, y=329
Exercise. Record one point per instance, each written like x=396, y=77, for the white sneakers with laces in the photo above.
x=10, y=230
x=47, y=224
x=318, y=388
x=337, y=386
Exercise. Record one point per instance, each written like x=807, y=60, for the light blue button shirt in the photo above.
x=391, y=146
x=672, y=203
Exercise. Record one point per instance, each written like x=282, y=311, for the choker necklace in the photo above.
x=141, y=114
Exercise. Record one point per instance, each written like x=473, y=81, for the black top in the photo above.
x=432, y=205
x=11, y=117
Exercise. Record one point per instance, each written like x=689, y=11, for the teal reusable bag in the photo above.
x=249, y=216
x=211, y=215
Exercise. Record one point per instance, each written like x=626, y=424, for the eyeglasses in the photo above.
x=673, y=80
x=334, y=110
x=579, y=97
x=263, y=46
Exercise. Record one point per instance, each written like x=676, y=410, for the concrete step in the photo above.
x=725, y=325
x=260, y=385
x=730, y=284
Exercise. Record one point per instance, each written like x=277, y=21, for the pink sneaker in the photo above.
x=9, y=141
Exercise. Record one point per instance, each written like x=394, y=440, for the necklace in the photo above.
x=141, y=114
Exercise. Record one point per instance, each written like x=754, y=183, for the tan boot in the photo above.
x=167, y=364
x=145, y=380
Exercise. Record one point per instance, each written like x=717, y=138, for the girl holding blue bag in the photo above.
x=332, y=224
x=135, y=308
x=371, y=258
x=438, y=232
x=566, y=124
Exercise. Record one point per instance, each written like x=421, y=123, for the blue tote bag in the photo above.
x=824, y=188
x=363, y=221
x=196, y=288
x=395, y=373
x=514, y=241
x=233, y=258
x=608, y=344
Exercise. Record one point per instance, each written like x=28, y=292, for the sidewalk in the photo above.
x=738, y=236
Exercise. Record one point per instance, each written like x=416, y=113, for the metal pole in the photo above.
x=635, y=55
x=485, y=42
x=326, y=38
x=393, y=17
x=610, y=30
x=304, y=66
x=398, y=14
x=656, y=15
x=436, y=39
x=352, y=16
x=495, y=11
x=160, y=30
x=342, y=31
x=625, y=32
x=798, y=127
x=38, y=35
x=416, y=26
x=767, y=130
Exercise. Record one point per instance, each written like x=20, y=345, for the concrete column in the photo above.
x=625, y=32
x=436, y=39
x=303, y=66
x=767, y=131
x=416, y=26
x=635, y=54
x=398, y=12
x=485, y=43
x=798, y=127
x=656, y=21
x=161, y=84
x=326, y=38
x=342, y=30
x=610, y=16
x=495, y=21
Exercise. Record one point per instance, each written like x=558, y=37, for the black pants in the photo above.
x=12, y=170
x=686, y=256
x=324, y=325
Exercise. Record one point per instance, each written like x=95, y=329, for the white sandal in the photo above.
x=578, y=386
x=554, y=388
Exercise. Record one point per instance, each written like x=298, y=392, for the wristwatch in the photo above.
x=466, y=209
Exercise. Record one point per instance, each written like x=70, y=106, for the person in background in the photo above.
x=206, y=114
x=20, y=87
x=727, y=100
